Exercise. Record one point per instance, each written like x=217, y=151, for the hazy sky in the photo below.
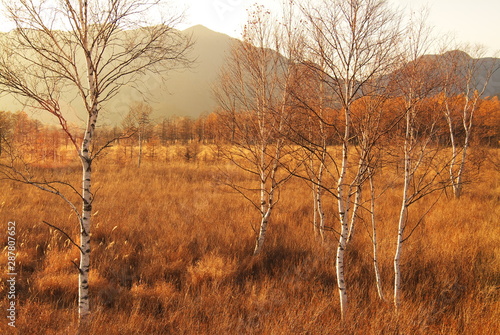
x=468, y=21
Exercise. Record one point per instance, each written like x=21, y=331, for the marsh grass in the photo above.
x=171, y=254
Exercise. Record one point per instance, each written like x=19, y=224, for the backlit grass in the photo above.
x=171, y=254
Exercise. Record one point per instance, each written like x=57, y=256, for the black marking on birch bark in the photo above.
x=84, y=281
x=85, y=287
x=87, y=207
x=85, y=297
x=87, y=251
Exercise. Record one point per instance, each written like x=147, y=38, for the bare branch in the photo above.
x=64, y=233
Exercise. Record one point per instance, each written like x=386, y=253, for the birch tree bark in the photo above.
x=378, y=279
x=373, y=121
x=96, y=48
x=312, y=137
x=355, y=41
x=467, y=79
x=403, y=214
x=252, y=94
x=317, y=186
x=417, y=79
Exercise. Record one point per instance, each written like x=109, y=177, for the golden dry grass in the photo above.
x=171, y=254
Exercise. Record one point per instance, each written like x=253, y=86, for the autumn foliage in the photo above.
x=40, y=142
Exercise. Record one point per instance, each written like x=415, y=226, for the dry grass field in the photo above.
x=172, y=248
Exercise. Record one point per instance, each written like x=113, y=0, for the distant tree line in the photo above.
x=42, y=141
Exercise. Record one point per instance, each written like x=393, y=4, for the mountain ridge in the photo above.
x=182, y=92
x=188, y=92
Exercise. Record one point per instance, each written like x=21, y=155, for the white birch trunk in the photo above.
x=266, y=208
x=358, y=181
x=315, y=210
x=262, y=231
x=453, y=149
x=378, y=279
x=399, y=251
x=403, y=213
x=339, y=265
x=456, y=175
x=460, y=173
x=263, y=211
x=321, y=168
x=343, y=207
x=84, y=268
x=467, y=124
x=321, y=213
x=266, y=200
x=86, y=159
x=357, y=200
x=314, y=181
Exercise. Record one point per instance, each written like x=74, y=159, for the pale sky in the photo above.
x=468, y=21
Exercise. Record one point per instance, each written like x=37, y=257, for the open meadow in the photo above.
x=172, y=254
x=333, y=168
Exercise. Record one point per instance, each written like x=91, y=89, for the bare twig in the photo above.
x=64, y=233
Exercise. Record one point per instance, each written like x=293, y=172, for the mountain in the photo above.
x=186, y=92
x=493, y=87
x=483, y=67
x=189, y=92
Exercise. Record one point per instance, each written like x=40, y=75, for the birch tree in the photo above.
x=418, y=79
x=373, y=121
x=355, y=40
x=311, y=131
x=94, y=47
x=317, y=133
x=252, y=94
x=467, y=79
